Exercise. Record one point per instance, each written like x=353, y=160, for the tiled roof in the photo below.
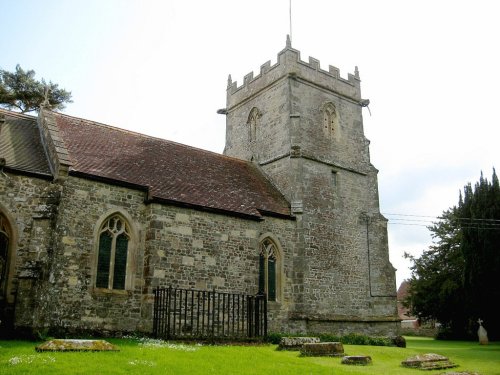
x=171, y=171
x=20, y=144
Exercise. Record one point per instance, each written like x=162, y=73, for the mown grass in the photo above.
x=139, y=357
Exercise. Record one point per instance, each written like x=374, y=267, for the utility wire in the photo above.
x=428, y=220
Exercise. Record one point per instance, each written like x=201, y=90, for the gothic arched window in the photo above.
x=4, y=254
x=330, y=119
x=113, y=253
x=269, y=270
x=253, y=119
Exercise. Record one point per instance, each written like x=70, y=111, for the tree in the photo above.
x=456, y=280
x=20, y=90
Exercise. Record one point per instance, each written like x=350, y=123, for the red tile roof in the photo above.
x=171, y=171
x=402, y=293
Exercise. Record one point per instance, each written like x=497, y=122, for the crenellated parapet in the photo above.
x=290, y=65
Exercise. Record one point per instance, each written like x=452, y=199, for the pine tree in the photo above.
x=21, y=91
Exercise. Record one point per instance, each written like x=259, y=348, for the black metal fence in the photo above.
x=201, y=314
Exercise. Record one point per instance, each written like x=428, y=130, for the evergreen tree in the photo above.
x=20, y=90
x=456, y=281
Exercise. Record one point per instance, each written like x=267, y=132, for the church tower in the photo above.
x=303, y=127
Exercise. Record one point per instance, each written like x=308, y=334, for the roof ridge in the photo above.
x=127, y=131
x=17, y=114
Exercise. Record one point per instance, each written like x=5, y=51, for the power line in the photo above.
x=438, y=218
x=428, y=221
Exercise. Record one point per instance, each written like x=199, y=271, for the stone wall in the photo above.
x=30, y=206
x=170, y=246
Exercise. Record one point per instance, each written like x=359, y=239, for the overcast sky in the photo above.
x=431, y=70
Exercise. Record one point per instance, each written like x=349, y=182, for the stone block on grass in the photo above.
x=66, y=345
x=322, y=349
x=428, y=361
x=360, y=360
x=295, y=343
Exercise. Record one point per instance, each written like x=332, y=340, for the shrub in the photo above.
x=350, y=339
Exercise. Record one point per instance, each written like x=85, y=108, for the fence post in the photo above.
x=257, y=315
x=167, y=309
x=213, y=314
x=250, y=316
x=264, y=297
x=155, y=313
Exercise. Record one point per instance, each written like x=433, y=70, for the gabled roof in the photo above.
x=21, y=144
x=172, y=172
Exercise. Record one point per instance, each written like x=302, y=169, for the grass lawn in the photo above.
x=152, y=357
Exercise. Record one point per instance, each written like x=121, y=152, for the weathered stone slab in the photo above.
x=295, y=343
x=322, y=349
x=362, y=360
x=460, y=373
x=63, y=345
x=429, y=361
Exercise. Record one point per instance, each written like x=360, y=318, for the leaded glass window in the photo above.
x=268, y=269
x=114, y=238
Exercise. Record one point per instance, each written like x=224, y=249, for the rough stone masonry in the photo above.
x=93, y=217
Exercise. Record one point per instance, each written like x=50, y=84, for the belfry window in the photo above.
x=330, y=119
x=252, y=122
x=268, y=269
x=113, y=253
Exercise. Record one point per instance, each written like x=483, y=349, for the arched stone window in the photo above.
x=113, y=254
x=4, y=255
x=253, y=121
x=269, y=269
x=330, y=119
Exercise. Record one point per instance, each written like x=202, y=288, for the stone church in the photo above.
x=94, y=217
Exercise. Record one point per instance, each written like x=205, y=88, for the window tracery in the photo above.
x=113, y=253
x=268, y=269
x=253, y=119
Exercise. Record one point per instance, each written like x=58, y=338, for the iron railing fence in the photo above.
x=200, y=314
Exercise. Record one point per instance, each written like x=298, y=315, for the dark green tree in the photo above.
x=21, y=91
x=479, y=222
x=456, y=281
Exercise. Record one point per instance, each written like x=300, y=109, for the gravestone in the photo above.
x=362, y=360
x=481, y=332
x=429, y=361
x=295, y=343
x=322, y=349
x=65, y=345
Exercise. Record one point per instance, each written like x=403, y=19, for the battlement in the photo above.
x=289, y=64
